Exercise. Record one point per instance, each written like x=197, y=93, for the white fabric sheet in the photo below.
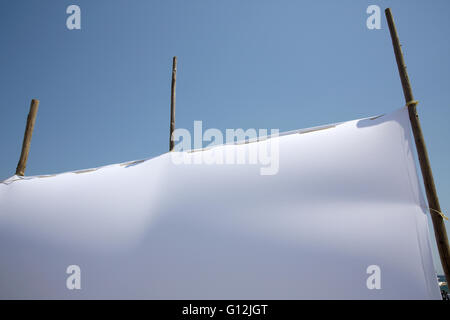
x=344, y=198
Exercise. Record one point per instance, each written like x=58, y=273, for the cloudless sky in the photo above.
x=105, y=89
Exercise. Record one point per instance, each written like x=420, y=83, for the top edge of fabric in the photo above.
x=241, y=142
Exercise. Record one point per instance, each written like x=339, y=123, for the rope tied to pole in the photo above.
x=412, y=102
x=438, y=212
x=443, y=216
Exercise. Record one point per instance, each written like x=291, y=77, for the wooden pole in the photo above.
x=433, y=201
x=172, y=102
x=21, y=166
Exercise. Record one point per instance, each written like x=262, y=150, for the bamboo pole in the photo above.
x=172, y=102
x=430, y=188
x=21, y=166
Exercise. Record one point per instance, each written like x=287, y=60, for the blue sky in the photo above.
x=105, y=89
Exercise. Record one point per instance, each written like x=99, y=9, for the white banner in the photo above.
x=341, y=217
